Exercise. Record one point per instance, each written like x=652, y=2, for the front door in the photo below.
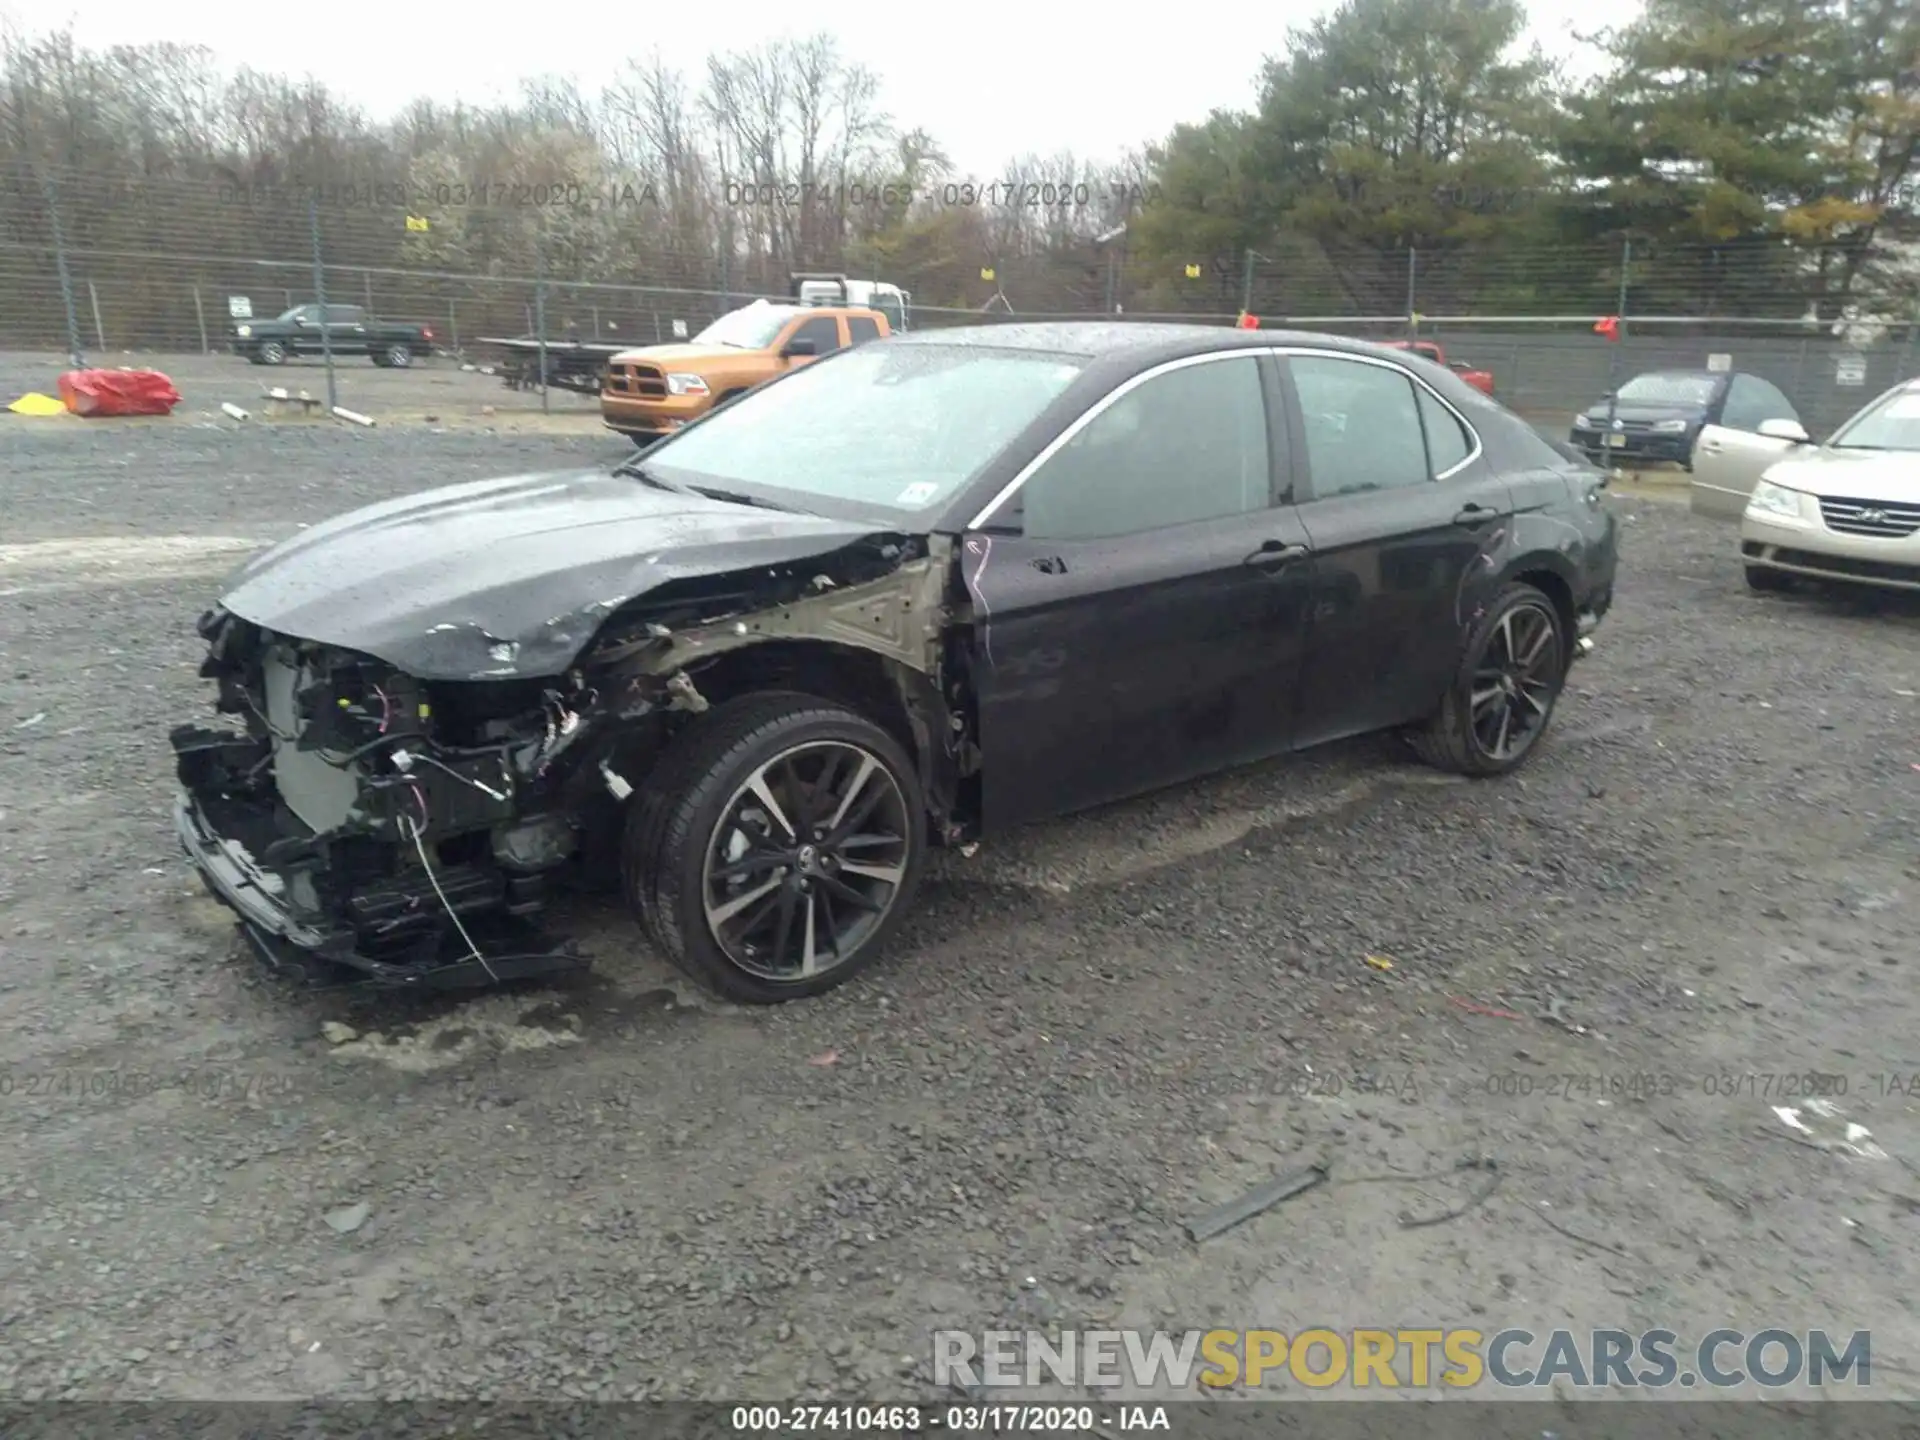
x=1731, y=455
x=1142, y=599
x=823, y=331
x=1398, y=507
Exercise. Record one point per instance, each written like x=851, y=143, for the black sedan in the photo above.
x=1656, y=418
x=910, y=595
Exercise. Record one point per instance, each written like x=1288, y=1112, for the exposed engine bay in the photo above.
x=371, y=825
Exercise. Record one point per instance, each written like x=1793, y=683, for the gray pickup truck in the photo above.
x=344, y=329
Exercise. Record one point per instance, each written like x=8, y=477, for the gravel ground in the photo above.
x=1093, y=1030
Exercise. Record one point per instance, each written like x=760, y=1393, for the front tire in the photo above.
x=1765, y=581
x=777, y=847
x=1500, y=702
x=271, y=352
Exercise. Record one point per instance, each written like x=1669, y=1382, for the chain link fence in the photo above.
x=109, y=270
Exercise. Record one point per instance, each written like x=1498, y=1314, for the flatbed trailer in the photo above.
x=571, y=364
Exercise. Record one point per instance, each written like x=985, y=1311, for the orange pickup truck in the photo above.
x=656, y=389
x=1481, y=380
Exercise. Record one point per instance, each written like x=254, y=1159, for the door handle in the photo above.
x=1471, y=514
x=1275, y=554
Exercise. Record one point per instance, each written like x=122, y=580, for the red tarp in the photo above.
x=118, y=392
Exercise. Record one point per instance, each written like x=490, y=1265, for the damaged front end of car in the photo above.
x=369, y=825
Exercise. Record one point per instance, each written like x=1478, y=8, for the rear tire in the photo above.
x=398, y=357
x=823, y=874
x=1766, y=581
x=1515, y=665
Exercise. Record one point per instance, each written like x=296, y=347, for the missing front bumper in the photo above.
x=398, y=932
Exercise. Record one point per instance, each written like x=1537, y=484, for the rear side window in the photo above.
x=1447, y=440
x=1362, y=426
x=862, y=327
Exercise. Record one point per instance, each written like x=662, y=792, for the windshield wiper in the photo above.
x=647, y=475
x=734, y=497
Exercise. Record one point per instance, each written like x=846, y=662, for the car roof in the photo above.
x=1676, y=373
x=1143, y=342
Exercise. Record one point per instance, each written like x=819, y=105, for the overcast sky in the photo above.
x=1030, y=78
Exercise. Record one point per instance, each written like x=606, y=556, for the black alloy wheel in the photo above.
x=1495, y=712
x=776, y=847
x=807, y=861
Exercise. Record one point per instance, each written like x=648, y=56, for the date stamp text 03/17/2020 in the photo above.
x=416, y=197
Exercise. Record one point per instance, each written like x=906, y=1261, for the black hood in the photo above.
x=507, y=578
x=1644, y=412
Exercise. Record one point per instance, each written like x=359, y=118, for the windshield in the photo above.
x=894, y=427
x=1893, y=424
x=1669, y=389
x=753, y=328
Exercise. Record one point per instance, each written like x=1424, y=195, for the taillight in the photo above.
x=426, y=332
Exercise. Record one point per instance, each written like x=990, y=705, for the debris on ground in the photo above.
x=102, y=394
x=1378, y=962
x=825, y=1058
x=1256, y=1201
x=339, y=1034
x=34, y=403
x=1478, y=1198
x=348, y=1218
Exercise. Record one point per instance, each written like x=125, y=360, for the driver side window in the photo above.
x=822, y=330
x=1188, y=445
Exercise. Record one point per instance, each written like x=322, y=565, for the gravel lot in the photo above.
x=1094, y=1029
x=432, y=392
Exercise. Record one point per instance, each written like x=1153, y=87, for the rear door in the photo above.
x=1141, y=598
x=347, y=329
x=1731, y=454
x=1398, y=504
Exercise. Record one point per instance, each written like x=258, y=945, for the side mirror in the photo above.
x=1791, y=430
x=796, y=348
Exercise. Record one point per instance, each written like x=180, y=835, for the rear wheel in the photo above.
x=1766, y=581
x=1499, y=704
x=776, y=847
x=641, y=440
x=398, y=357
